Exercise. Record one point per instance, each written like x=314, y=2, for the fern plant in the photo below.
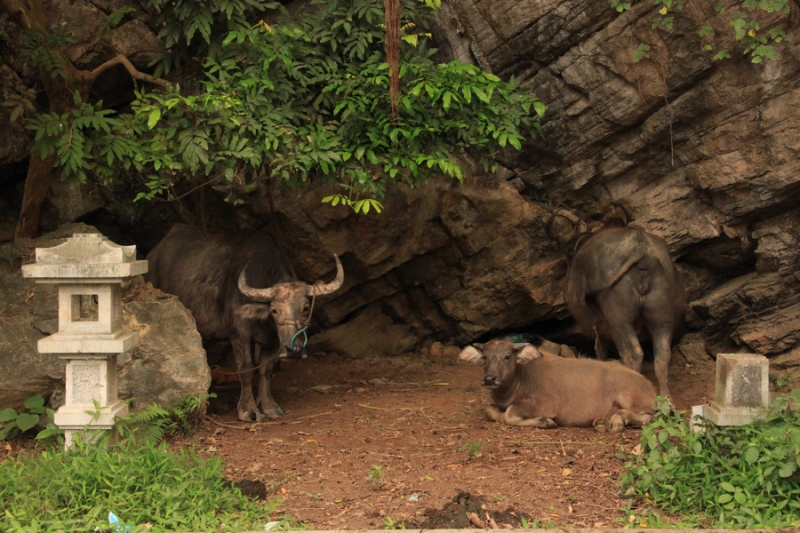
x=151, y=424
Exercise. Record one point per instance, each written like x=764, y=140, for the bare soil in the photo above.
x=367, y=444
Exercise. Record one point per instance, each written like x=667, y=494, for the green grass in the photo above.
x=146, y=486
x=725, y=477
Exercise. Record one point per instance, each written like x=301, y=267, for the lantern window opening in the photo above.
x=84, y=308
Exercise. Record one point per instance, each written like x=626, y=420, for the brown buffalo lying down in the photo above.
x=530, y=389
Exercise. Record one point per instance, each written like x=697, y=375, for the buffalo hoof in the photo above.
x=600, y=425
x=249, y=416
x=274, y=412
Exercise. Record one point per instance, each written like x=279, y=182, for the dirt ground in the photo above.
x=391, y=442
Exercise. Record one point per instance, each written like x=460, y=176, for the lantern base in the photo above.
x=86, y=422
x=117, y=342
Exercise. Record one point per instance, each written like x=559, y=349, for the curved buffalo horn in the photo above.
x=621, y=213
x=581, y=225
x=549, y=226
x=327, y=288
x=259, y=295
x=572, y=217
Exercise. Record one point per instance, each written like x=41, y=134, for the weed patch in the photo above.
x=733, y=477
x=150, y=487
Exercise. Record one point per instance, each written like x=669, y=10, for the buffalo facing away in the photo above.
x=242, y=289
x=623, y=286
x=547, y=391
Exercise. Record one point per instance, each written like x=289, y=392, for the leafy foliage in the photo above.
x=736, y=477
x=40, y=49
x=151, y=424
x=375, y=475
x=150, y=487
x=474, y=448
x=305, y=98
x=390, y=523
x=196, y=28
x=755, y=38
x=12, y=423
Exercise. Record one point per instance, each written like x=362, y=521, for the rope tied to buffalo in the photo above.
x=302, y=330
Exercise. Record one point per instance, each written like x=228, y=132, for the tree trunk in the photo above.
x=37, y=183
x=42, y=172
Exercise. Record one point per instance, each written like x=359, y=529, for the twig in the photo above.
x=538, y=442
x=255, y=425
x=135, y=74
x=600, y=506
x=390, y=408
x=244, y=428
x=417, y=383
x=421, y=410
x=312, y=416
x=190, y=191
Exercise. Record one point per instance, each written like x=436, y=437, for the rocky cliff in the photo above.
x=703, y=153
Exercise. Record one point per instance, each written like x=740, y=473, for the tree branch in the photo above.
x=135, y=74
x=15, y=7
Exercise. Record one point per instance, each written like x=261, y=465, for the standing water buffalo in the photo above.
x=547, y=391
x=623, y=286
x=213, y=275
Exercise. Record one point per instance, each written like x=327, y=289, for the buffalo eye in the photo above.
x=274, y=312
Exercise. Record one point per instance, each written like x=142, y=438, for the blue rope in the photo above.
x=305, y=342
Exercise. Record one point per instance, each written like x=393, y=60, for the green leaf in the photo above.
x=540, y=108
x=467, y=92
x=6, y=415
x=481, y=95
x=34, y=401
x=155, y=116
x=727, y=487
x=46, y=434
x=26, y=421
x=751, y=455
x=446, y=97
x=787, y=469
x=724, y=498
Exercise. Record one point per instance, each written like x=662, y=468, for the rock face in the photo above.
x=169, y=362
x=702, y=153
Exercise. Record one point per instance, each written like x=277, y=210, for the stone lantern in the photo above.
x=89, y=270
x=742, y=391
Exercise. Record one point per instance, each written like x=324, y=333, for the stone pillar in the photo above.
x=742, y=390
x=89, y=270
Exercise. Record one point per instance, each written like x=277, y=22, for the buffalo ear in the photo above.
x=253, y=311
x=528, y=353
x=471, y=355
